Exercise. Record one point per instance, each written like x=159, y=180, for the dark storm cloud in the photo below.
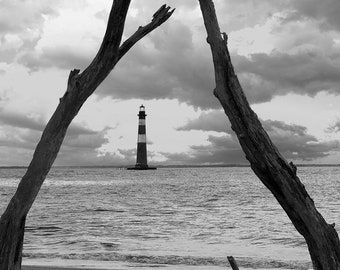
x=82, y=150
x=209, y=121
x=165, y=65
x=75, y=150
x=263, y=76
x=171, y=63
x=79, y=138
x=63, y=57
x=327, y=12
x=235, y=14
x=19, y=135
x=22, y=133
x=221, y=150
x=19, y=120
x=88, y=140
x=293, y=141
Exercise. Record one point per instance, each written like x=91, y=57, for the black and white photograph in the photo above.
x=170, y=135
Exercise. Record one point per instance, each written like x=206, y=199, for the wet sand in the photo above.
x=32, y=267
x=144, y=267
x=53, y=264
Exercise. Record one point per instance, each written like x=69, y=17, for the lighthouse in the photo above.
x=142, y=161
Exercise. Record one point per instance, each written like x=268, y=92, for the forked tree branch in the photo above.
x=160, y=16
x=111, y=59
x=79, y=87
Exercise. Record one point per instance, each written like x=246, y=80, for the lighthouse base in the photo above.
x=141, y=167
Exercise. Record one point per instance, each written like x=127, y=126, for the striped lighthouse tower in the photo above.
x=142, y=162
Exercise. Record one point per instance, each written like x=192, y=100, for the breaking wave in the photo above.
x=244, y=262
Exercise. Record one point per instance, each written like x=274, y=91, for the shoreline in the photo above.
x=70, y=264
x=121, y=266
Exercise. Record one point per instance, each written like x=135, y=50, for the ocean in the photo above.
x=171, y=218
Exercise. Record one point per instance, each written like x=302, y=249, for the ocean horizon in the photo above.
x=168, y=166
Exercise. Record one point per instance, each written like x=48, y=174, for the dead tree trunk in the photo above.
x=266, y=161
x=79, y=87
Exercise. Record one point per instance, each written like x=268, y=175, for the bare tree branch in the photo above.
x=79, y=87
x=273, y=170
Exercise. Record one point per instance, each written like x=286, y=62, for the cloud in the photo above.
x=21, y=133
x=334, y=128
x=293, y=141
x=264, y=76
x=234, y=15
x=168, y=63
x=63, y=57
x=165, y=66
x=37, y=123
x=21, y=121
x=66, y=37
x=175, y=62
x=220, y=150
x=152, y=6
x=326, y=12
x=305, y=60
x=86, y=139
x=21, y=24
x=277, y=47
x=90, y=158
x=18, y=16
x=209, y=121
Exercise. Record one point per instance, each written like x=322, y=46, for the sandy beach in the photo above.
x=150, y=267
x=115, y=266
x=123, y=266
x=51, y=264
x=34, y=267
x=147, y=267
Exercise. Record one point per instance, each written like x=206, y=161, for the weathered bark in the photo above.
x=232, y=263
x=266, y=161
x=79, y=87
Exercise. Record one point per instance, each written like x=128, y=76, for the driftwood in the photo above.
x=232, y=263
x=79, y=87
x=271, y=168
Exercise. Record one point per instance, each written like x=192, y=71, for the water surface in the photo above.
x=169, y=217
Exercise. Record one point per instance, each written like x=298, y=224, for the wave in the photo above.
x=254, y=263
x=43, y=228
x=105, y=210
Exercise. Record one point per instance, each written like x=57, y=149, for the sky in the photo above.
x=286, y=54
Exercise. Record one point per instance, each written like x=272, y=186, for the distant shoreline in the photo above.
x=173, y=166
